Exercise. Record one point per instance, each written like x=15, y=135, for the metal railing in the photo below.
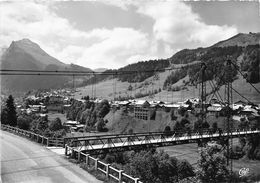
x=113, y=143
x=106, y=169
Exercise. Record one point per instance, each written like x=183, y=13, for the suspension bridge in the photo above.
x=124, y=142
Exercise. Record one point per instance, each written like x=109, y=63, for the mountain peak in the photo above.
x=26, y=41
x=26, y=44
x=241, y=39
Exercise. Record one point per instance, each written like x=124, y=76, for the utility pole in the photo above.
x=73, y=85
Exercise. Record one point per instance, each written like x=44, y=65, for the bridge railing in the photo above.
x=68, y=140
x=48, y=141
x=104, y=168
x=93, y=144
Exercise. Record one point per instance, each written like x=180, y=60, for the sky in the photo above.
x=115, y=33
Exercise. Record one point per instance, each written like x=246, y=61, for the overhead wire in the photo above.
x=67, y=72
x=241, y=95
x=237, y=68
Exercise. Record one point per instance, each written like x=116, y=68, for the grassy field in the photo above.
x=53, y=115
x=113, y=88
x=190, y=152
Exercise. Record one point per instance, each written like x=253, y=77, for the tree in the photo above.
x=101, y=125
x=86, y=98
x=23, y=122
x=244, y=124
x=198, y=125
x=103, y=108
x=144, y=166
x=182, y=111
x=212, y=165
x=205, y=125
x=184, y=169
x=40, y=125
x=167, y=130
x=154, y=166
x=55, y=125
x=215, y=127
x=185, y=124
x=130, y=88
x=4, y=119
x=11, y=112
x=177, y=126
x=173, y=117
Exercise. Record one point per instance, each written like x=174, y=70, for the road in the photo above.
x=24, y=161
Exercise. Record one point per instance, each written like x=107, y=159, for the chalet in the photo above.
x=55, y=99
x=73, y=125
x=124, y=103
x=37, y=108
x=66, y=107
x=214, y=109
x=156, y=104
x=172, y=107
x=248, y=110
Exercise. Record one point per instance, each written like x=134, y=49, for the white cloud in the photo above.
x=175, y=27
x=96, y=48
x=117, y=46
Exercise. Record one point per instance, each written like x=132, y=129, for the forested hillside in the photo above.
x=140, y=70
x=215, y=58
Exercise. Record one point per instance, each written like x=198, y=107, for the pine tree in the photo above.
x=4, y=119
x=11, y=112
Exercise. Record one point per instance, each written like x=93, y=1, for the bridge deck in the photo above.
x=99, y=144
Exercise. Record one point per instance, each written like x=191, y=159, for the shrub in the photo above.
x=55, y=125
x=23, y=122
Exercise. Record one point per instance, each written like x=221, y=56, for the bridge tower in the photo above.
x=228, y=99
x=203, y=91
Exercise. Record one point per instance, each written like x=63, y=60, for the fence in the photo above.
x=58, y=142
x=106, y=169
x=100, y=166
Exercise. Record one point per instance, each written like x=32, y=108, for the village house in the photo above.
x=142, y=110
x=214, y=109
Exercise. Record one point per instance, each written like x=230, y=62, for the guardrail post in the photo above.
x=38, y=138
x=107, y=170
x=72, y=153
x=96, y=164
x=87, y=156
x=66, y=148
x=64, y=142
x=79, y=156
x=42, y=140
x=136, y=180
x=47, y=142
x=120, y=176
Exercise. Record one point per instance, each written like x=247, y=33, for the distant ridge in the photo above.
x=100, y=69
x=240, y=39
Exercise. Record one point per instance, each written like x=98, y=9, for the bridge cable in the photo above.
x=237, y=68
